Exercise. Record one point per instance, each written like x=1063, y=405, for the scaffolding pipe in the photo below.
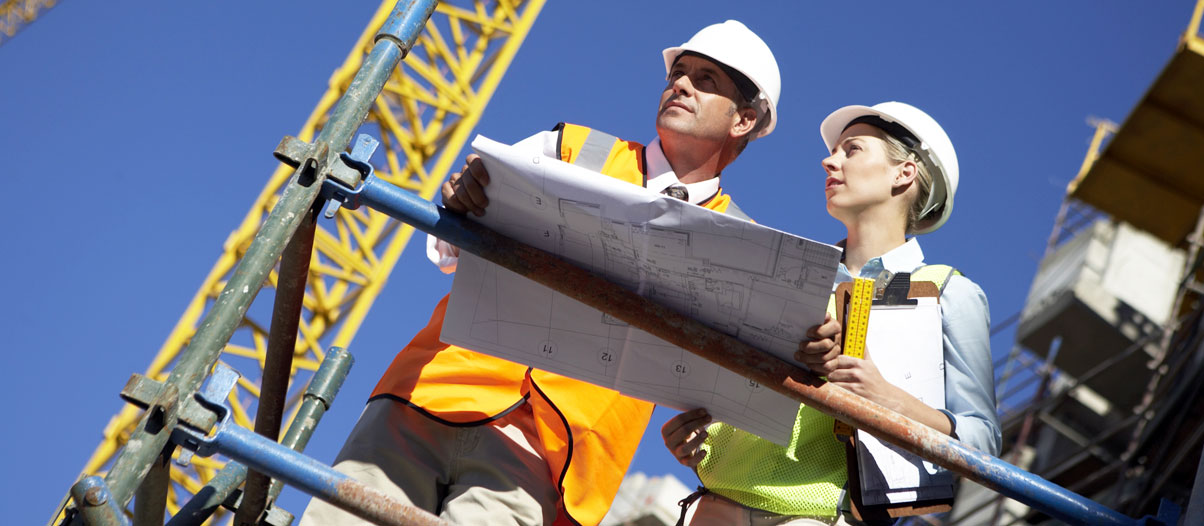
x=305, y=473
x=96, y=504
x=788, y=379
x=278, y=361
x=322, y=389
x=393, y=42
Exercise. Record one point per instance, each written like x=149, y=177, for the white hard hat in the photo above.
x=934, y=148
x=735, y=46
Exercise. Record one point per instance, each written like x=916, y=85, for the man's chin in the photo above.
x=671, y=124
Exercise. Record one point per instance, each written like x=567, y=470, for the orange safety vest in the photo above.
x=589, y=434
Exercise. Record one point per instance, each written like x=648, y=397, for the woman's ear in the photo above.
x=906, y=175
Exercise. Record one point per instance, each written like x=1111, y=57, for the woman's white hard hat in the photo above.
x=735, y=46
x=935, y=150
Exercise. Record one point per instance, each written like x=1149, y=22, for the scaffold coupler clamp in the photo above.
x=211, y=397
x=345, y=172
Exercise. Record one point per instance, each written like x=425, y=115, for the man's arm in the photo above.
x=460, y=195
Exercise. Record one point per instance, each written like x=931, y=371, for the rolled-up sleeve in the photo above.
x=969, y=372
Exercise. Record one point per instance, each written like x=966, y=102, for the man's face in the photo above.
x=699, y=100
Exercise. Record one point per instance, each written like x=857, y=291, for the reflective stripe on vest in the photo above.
x=593, y=151
x=588, y=434
x=804, y=478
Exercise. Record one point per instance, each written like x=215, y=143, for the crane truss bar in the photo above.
x=423, y=117
x=16, y=14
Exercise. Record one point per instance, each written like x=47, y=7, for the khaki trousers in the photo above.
x=489, y=474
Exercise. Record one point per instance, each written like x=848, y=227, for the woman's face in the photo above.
x=860, y=175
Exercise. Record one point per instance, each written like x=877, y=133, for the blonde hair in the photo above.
x=897, y=152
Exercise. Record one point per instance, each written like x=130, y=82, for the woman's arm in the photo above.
x=969, y=377
x=969, y=371
x=822, y=354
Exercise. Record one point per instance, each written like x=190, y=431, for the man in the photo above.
x=480, y=440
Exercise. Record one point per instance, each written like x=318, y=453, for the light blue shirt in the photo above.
x=969, y=373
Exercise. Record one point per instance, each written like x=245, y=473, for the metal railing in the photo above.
x=180, y=413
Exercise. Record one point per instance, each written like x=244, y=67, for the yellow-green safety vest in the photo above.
x=804, y=478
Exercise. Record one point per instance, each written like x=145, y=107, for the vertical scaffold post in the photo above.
x=278, y=361
x=396, y=38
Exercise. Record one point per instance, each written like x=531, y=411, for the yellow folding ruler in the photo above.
x=857, y=322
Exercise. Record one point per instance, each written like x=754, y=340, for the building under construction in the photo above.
x=1101, y=393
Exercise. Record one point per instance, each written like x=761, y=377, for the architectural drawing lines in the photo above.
x=762, y=286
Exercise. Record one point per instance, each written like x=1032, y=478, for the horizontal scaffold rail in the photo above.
x=730, y=353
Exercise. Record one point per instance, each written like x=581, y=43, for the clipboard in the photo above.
x=892, y=293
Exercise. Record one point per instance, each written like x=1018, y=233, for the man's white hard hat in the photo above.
x=934, y=149
x=735, y=46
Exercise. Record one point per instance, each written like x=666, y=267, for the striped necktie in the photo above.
x=677, y=192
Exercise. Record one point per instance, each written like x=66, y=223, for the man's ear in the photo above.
x=744, y=121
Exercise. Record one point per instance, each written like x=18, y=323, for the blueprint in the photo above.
x=760, y=285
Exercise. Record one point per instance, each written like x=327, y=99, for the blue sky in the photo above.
x=150, y=127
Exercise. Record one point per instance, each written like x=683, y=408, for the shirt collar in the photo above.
x=904, y=258
x=661, y=176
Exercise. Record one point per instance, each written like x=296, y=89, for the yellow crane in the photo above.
x=422, y=118
x=16, y=14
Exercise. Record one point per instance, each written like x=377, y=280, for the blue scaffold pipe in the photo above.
x=226, y=314
x=313, y=477
x=392, y=44
x=404, y=25
x=1032, y=490
x=987, y=470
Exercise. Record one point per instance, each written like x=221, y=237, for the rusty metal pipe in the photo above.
x=215, y=329
x=323, y=387
x=311, y=476
x=788, y=379
x=282, y=342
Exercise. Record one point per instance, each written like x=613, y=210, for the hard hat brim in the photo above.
x=834, y=124
x=671, y=53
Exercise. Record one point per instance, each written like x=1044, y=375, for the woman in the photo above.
x=892, y=172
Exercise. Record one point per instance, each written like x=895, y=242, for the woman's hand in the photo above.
x=822, y=348
x=684, y=434
x=823, y=355
x=861, y=376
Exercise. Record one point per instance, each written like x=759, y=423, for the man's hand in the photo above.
x=684, y=434
x=464, y=191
